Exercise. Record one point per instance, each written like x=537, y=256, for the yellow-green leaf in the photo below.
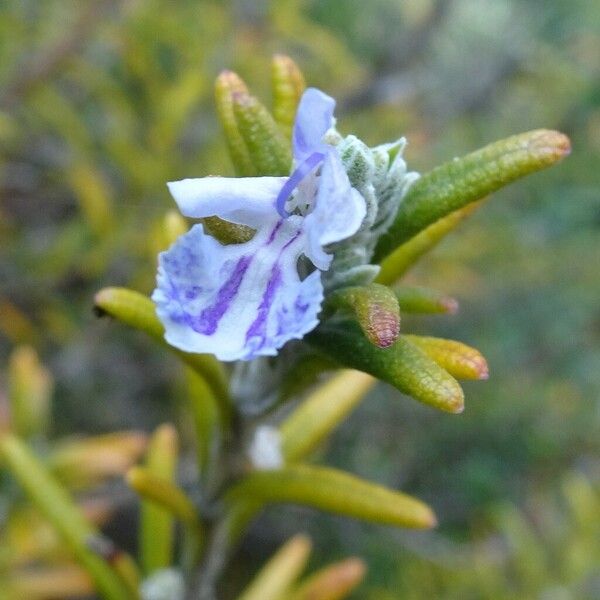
x=276, y=578
x=403, y=365
x=460, y=360
x=288, y=84
x=226, y=85
x=269, y=150
x=395, y=264
x=156, y=531
x=57, y=506
x=334, y=582
x=414, y=299
x=375, y=308
x=333, y=491
x=321, y=412
x=464, y=180
x=137, y=311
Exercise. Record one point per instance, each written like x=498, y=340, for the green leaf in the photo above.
x=277, y=577
x=137, y=311
x=288, y=84
x=403, y=365
x=58, y=507
x=163, y=500
x=269, y=150
x=94, y=197
x=156, y=524
x=406, y=255
x=375, y=308
x=226, y=85
x=424, y=300
x=334, y=491
x=238, y=516
x=165, y=493
x=226, y=232
x=321, y=412
x=207, y=421
x=460, y=360
x=29, y=392
x=464, y=180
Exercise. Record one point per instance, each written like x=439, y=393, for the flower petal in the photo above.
x=338, y=212
x=242, y=200
x=313, y=119
x=238, y=301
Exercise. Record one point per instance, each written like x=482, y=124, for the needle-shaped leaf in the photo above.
x=238, y=516
x=414, y=299
x=333, y=491
x=173, y=226
x=322, y=411
x=58, y=581
x=464, y=180
x=156, y=529
x=137, y=311
x=94, y=197
x=84, y=462
x=288, y=84
x=269, y=150
x=58, y=507
x=403, y=365
x=165, y=493
x=460, y=360
x=276, y=578
x=207, y=421
x=375, y=308
x=226, y=85
x=165, y=231
x=162, y=498
x=407, y=254
x=29, y=393
x=334, y=582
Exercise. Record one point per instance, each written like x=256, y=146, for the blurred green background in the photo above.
x=102, y=102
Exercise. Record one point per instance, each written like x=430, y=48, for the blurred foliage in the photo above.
x=102, y=102
x=550, y=549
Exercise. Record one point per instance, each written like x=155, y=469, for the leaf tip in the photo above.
x=457, y=405
x=384, y=326
x=549, y=145
x=100, y=300
x=432, y=520
x=483, y=372
x=450, y=305
x=230, y=81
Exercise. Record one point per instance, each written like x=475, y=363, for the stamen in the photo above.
x=294, y=180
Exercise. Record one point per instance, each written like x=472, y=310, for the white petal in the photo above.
x=338, y=212
x=243, y=200
x=313, y=118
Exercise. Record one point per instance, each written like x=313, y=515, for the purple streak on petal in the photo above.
x=259, y=326
x=274, y=232
x=291, y=241
x=294, y=180
x=208, y=320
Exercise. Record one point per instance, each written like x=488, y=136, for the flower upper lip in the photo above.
x=246, y=300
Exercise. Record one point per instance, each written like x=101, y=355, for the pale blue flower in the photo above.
x=240, y=301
